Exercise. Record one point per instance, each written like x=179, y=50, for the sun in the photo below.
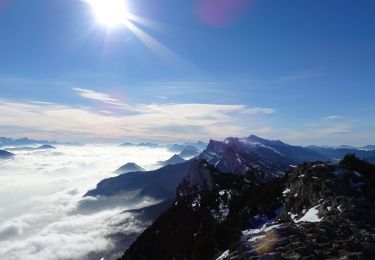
x=110, y=13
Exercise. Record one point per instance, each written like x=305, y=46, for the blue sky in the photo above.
x=300, y=71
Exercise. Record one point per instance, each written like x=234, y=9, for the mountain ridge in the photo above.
x=231, y=216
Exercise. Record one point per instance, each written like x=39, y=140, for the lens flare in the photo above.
x=221, y=12
x=265, y=243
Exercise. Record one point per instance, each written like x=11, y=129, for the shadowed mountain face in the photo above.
x=371, y=160
x=316, y=211
x=175, y=159
x=5, y=154
x=236, y=190
x=261, y=158
x=159, y=183
x=240, y=155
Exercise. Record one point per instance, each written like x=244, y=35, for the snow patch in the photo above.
x=196, y=201
x=223, y=256
x=310, y=216
x=256, y=144
x=264, y=228
x=255, y=238
x=292, y=216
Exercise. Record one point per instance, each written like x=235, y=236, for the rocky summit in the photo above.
x=316, y=210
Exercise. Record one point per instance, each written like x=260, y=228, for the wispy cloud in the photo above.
x=337, y=129
x=329, y=134
x=295, y=76
x=99, y=96
x=332, y=117
x=164, y=121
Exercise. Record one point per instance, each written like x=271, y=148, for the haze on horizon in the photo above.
x=167, y=71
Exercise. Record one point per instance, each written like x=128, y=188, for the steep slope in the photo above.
x=210, y=211
x=5, y=154
x=160, y=183
x=317, y=211
x=239, y=155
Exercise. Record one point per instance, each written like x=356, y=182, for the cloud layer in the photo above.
x=41, y=194
x=109, y=118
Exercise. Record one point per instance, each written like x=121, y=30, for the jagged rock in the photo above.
x=265, y=159
x=316, y=211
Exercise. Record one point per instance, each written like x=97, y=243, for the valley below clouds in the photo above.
x=43, y=214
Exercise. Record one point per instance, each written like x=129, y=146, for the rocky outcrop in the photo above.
x=210, y=210
x=329, y=213
x=253, y=154
x=315, y=211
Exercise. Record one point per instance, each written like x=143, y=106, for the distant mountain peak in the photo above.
x=129, y=167
x=175, y=159
x=189, y=151
x=5, y=154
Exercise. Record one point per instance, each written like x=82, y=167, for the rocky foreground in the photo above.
x=314, y=211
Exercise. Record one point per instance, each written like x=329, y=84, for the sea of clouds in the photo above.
x=41, y=198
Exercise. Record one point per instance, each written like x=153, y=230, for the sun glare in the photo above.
x=110, y=13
